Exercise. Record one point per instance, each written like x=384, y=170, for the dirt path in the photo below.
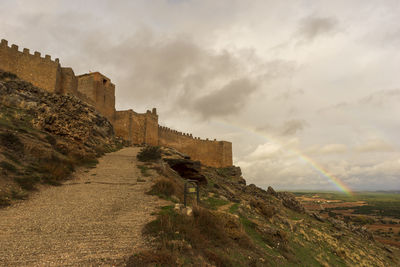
x=94, y=219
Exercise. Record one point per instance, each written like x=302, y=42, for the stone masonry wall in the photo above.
x=210, y=153
x=99, y=89
x=138, y=128
x=41, y=72
x=69, y=82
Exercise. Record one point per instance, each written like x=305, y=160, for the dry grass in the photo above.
x=163, y=187
x=149, y=153
x=207, y=232
x=151, y=258
x=263, y=208
x=11, y=141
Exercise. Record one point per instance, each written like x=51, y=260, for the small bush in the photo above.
x=11, y=157
x=27, y=182
x=267, y=210
x=11, y=141
x=149, y=153
x=4, y=75
x=4, y=201
x=55, y=169
x=17, y=193
x=51, y=140
x=144, y=170
x=163, y=188
x=151, y=258
x=7, y=166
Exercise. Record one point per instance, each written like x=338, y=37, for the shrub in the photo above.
x=51, y=140
x=144, y=170
x=163, y=188
x=11, y=157
x=151, y=258
x=7, y=166
x=11, y=141
x=4, y=200
x=54, y=170
x=149, y=153
x=4, y=75
x=262, y=207
x=27, y=182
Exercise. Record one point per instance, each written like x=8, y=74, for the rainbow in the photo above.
x=318, y=168
x=303, y=157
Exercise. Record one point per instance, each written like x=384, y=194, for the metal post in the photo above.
x=197, y=193
x=184, y=194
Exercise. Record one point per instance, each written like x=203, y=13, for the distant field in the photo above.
x=378, y=203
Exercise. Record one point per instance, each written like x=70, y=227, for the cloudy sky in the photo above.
x=299, y=87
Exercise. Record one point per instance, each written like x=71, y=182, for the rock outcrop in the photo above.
x=44, y=135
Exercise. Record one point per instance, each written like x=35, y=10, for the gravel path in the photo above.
x=94, y=219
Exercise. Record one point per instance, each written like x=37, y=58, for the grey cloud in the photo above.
x=333, y=149
x=382, y=97
x=375, y=145
x=311, y=27
x=287, y=128
x=228, y=100
x=291, y=127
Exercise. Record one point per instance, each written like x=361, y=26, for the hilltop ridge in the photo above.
x=235, y=224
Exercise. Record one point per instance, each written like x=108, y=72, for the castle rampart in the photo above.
x=210, y=153
x=137, y=128
x=97, y=90
x=41, y=72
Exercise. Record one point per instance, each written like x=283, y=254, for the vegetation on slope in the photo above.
x=242, y=225
x=44, y=136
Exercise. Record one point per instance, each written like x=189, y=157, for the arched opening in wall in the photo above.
x=104, y=81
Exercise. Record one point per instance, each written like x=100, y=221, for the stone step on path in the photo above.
x=94, y=219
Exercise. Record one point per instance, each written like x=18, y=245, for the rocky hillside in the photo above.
x=242, y=225
x=43, y=136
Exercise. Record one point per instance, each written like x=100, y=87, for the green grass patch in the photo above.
x=214, y=203
x=234, y=208
x=250, y=228
x=144, y=170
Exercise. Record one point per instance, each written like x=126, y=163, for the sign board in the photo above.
x=192, y=189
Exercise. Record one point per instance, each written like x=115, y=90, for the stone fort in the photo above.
x=97, y=90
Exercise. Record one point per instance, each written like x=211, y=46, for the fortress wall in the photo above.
x=69, y=82
x=210, y=153
x=41, y=72
x=151, y=131
x=123, y=124
x=138, y=128
x=100, y=91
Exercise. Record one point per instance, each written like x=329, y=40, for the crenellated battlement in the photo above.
x=41, y=71
x=181, y=134
x=26, y=51
x=209, y=152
